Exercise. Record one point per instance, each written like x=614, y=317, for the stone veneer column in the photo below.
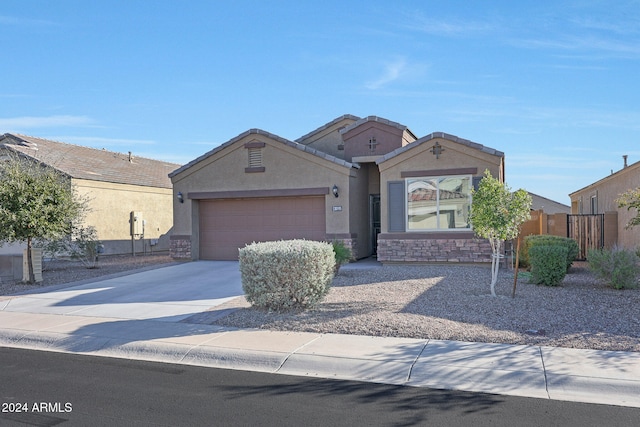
x=180, y=247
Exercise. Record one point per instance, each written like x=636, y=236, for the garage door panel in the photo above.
x=229, y=224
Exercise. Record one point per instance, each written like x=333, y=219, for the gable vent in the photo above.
x=255, y=157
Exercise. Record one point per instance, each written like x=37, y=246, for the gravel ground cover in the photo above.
x=449, y=302
x=453, y=302
x=60, y=271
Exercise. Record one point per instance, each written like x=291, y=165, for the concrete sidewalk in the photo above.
x=605, y=377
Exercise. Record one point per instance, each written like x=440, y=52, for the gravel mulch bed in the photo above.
x=453, y=302
x=60, y=271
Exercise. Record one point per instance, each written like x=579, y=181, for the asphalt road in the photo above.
x=47, y=389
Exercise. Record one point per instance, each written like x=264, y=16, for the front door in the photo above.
x=374, y=221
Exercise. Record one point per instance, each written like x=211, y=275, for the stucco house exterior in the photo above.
x=547, y=205
x=600, y=198
x=115, y=185
x=368, y=182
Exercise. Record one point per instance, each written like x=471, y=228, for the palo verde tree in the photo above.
x=36, y=202
x=496, y=215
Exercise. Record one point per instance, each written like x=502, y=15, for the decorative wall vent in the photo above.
x=254, y=151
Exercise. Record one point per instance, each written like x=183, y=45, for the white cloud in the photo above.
x=28, y=122
x=417, y=21
x=22, y=22
x=393, y=71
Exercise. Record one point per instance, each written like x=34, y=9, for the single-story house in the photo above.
x=368, y=182
x=541, y=203
x=115, y=185
x=600, y=198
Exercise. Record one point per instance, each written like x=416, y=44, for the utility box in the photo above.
x=136, y=224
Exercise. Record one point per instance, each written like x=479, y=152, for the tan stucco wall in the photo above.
x=356, y=140
x=328, y=140
x=110, y=205
x=607, y=191
x=285, y=168
x=419, y=158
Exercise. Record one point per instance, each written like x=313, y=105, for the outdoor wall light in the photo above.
x=334, y=190
x=180, y=198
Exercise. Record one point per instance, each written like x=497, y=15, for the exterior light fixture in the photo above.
x=180, y=198
x=334, y=190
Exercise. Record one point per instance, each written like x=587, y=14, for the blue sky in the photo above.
x=552, y=84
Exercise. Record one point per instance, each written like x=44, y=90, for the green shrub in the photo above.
x=341, y=253
x=548, y=264
x=618, y=267
x=288, y=274
x=549, y=240
x=523, y=257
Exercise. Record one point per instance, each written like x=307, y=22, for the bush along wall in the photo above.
x=548, y=264
x=550, y=240
x=287, y=274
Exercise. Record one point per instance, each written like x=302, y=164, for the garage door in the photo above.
x=229, y=224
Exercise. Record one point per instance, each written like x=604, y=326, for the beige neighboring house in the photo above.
x=115, y=184
x=368, y=182
x=549, y=206
x=600, y=198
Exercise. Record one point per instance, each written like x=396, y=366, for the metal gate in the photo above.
x=588, y=231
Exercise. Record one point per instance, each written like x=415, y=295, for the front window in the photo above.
x=438, y=203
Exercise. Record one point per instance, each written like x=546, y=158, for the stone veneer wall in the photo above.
x=180, y=247
x=466, y=250
x=350, y=243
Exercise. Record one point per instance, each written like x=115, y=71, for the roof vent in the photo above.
x=130, y=157
x=624, y=157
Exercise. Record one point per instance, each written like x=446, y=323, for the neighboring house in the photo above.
x=115, y=185
x=549, y=206
x=370, y=183
x=600, y=198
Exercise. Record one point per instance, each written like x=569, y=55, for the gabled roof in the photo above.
x=271, y=136
x=441, y=135
x=378, y=120
x=633, y=167
x=328, y=125
x=547, y=205
x=91, y=163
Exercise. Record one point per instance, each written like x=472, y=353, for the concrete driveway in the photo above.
x=168, y=293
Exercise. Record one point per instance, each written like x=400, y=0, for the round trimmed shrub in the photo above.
x=287, y=274
x=548, y=264
x=549, y=240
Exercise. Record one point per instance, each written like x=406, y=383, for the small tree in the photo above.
x=631, y=199
x=496, y=215
x=36, y=202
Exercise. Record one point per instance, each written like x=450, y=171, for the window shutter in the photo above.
x=395, y=191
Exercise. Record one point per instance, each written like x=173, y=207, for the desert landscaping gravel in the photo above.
x=453, y=302
x=450, y=302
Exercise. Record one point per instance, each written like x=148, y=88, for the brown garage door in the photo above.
x=229, y=224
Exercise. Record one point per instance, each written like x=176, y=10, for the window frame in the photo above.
x=438, y=179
